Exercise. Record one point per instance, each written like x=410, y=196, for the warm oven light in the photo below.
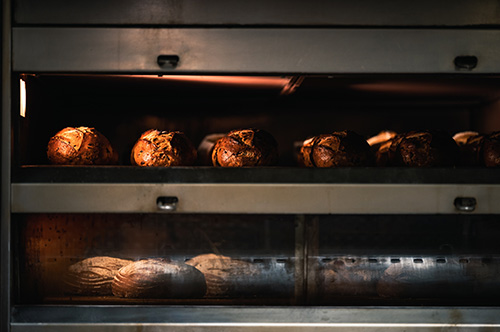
x=22, y=101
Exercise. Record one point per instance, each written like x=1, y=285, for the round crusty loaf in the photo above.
x=93, y=276
x=226, y=276
x=427, y=148
x=158, y=278
x=163, y=149
x=246, y=147
x=492, y=149
x=206, y=148
x=471, y=148
x=338, y=149
x=80, y=146
x=380, y=145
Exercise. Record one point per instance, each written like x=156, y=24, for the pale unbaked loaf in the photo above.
x=93, y=276
x=228, y=277
x=159, y=278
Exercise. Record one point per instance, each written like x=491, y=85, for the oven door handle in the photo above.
x=167, y=203
x=465, y=204
x=167, y=60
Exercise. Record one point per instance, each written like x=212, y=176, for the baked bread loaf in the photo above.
x=246, y=147
x=339, y=149
x=93, y=276
x=227, y=277
x=206, y=148
x=380, y=145
x=80, y=146
x=492, y=149
x=163, y=149
x=471, y=148
x=424, y=149
x=158, y=278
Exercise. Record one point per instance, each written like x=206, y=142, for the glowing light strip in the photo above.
x=22, y=101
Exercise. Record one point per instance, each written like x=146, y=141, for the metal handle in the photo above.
x=465, y=204
x=167, y=60
x=167, y=203
x=465, y=62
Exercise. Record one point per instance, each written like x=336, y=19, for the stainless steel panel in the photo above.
x=254, y=319
x=5, y=230
x=243, y=50
x=254, y=198
x=259, y=12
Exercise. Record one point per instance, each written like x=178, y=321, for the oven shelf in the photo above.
x=181, y=318
x=294, y=175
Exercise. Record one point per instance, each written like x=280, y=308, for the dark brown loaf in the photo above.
x=492, y=149
x=339, y=149
x=380, y=145
x=471, y=148
x=246, y=147
x=206, y=148
x=424, y=149
x=158, y=278
x=163, y=149
x=304, y=155
x=93, y=276
x=226, y=276
x=80, y=146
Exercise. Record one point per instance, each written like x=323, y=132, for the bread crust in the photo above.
x=246, y=147
x=80, y=146
x=158, y=278
x=492, y=150
x=93, y=276
x=157, y=148
x=338, y=149
x=426, y=148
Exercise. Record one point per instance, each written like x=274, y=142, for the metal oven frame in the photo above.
x=262, y=37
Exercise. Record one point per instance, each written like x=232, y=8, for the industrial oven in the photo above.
x=291, y=248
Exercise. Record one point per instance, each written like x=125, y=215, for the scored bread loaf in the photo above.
x=492, y=149
x=93, y=276
x=423, y=148
x=163, y=149
x=246, y=147
x=80, y=146
x=470, y=144
x=227, y=277
x=338, y=149
x=380, y=145
x=479, y=149
x=159, y=278
x=336, y=278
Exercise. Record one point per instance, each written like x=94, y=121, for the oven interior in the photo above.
x=288, y=259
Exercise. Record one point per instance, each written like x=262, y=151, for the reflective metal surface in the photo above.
x=265, y=50
x=5, y=225
x=252, y=198
x=259, y=12
x=100, y=318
